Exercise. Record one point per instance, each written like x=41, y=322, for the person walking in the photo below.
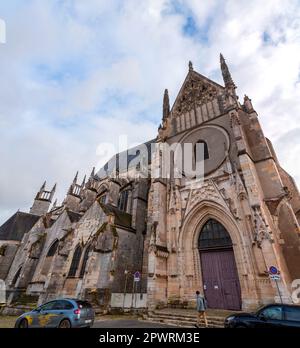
x=201, y=308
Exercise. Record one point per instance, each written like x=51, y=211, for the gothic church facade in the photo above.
x=219, y=236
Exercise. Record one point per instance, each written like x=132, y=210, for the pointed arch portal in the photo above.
x=219, y=272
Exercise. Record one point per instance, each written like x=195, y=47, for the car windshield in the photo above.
x=259, y=310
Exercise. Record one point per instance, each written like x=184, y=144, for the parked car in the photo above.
x=61, y=313
x=270, y=316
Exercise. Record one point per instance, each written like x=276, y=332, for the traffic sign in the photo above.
x=273, y=270
x=137, y=276
x=275, y=276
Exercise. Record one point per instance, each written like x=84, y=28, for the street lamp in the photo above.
x=126, y=272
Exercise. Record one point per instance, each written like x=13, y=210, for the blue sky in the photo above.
x=79, y=73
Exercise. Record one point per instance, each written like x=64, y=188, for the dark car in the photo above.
x=61, y=313
x=273, y=315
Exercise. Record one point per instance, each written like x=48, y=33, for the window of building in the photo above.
x=214, y=235
x=102, y=199
x=16, y=277
x=85, y=260
x=198, y=155
x=123, y=200
x=49, y=258
x=52, y=249
x=75, y=261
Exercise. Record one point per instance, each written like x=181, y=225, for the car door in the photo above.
x=57, y=313
x=270, y=317
x=292, y=316
x=45, y=314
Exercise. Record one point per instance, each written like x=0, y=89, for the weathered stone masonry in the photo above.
x=219, y=235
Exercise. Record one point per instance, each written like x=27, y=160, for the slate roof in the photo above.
x=119, y=158
x=17, y=225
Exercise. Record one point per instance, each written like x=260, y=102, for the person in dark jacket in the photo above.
x=201, y=308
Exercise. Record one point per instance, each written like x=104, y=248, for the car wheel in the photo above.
x=23, y=324
x=65, y=324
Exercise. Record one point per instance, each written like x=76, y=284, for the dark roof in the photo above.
x=74, y=217
x=17, y=225
x=124, y=160
x=122, y=218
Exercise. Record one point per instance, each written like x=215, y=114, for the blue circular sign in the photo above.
x=137, y=276
x=273, y=270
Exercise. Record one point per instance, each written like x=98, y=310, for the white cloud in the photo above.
x=76, y=73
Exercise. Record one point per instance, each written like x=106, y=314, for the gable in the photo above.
x=197, y=90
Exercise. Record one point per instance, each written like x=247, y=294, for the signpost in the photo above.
x=137, y=276
x=126, y=272
x=136, y=279
x=274, y=274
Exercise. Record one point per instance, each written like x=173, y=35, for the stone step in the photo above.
x=183, y=317
x=188, y=322
x=181, y=320
x=187, y=314
x=180, y=323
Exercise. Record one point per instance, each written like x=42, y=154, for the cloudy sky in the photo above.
x=78, y=73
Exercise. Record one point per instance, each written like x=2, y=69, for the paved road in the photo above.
x=129, y=323
x=9, y=322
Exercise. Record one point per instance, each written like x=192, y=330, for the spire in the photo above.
x=42, y=201
x=75, y=179
x=226, y=74
x=54, y=188
x=166, y=105
x=52, y=192
x=190, y=66
x=83, y=181
x=92, y=173
x=75, y=188
x=248, y=104
x=43, y=186
x=40, y=192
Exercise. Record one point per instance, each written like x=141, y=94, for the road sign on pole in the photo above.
x=273, y=270
x=137, y=276
x=274, y=274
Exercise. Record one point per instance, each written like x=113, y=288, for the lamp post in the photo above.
x=125, y=287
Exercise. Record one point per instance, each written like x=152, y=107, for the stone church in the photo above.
x=219, y=236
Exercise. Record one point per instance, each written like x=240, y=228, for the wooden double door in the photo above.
x=220, y=279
